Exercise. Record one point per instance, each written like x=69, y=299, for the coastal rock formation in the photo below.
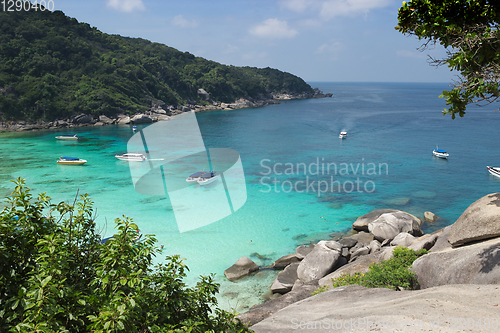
x=471, y=264
x=243, y=267
x=442, y=240
x=105, y=120
x=82, y=119
x=123, y=119
x=389, y=225
x=361, y=224
x=284, y=261
x=303, y=250
x=403, y=239
x=362, y=237
x=285, y=279
x=320, y=261
x=477, y=263
x=141, y=119
x=430, y=217
x=481, y=220
x=359, y=309
x=425, y=242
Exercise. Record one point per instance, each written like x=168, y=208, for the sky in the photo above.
x=317, y=40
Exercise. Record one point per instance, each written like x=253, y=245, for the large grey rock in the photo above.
x=362, y=237
x=361, y=265
x=285, y=279
x=424, y=242
x=284, y=261
x=348, y=242
x=362, y=251
x=403, y=239
x=360, y=309
x=481, y=220
x=141, y=119
x=472, y=264
x=374, y=246
x=320, y=261
x=123, y=120
x=361, y=224
x=82, y=119
x=430, y=217
x=303, y=250
x=389, y=225
x=243, y=267
x=105, y=120
x=442, y=240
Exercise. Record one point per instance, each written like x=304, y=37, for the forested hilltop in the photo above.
x=52, y=66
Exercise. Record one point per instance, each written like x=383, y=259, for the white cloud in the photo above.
x=126, y=5
x=333, y=8
x=299, y=6
x=330, y=48
x=273, y=28
x=410, y=54
x=328, y=9
x=180, y=21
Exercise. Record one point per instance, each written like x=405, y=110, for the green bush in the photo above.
x=57, y=276
x=393, y=273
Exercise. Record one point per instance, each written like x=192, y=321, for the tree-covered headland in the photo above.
x=52, y=66
x=468, y=29
x=58, y=275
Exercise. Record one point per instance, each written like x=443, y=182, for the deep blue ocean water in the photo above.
x=303, y=182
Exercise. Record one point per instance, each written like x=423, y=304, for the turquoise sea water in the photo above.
x=286, y=151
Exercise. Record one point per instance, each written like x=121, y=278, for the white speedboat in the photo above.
x=132, y=157
x=343, y=135
x=495, y=171
x=71, y=161
x=208, y=178
x=67, y=137
x=440, y=153
x=195, y=177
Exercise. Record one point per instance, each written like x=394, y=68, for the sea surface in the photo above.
x=303, y=183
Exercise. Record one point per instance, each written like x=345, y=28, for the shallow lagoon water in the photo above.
x=385, y=162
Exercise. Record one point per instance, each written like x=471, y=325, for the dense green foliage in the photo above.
x=392, y=273
x=57, y=276
x=53, y=66
x=469, y=31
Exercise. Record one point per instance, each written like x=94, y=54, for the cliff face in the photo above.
x=53, y=67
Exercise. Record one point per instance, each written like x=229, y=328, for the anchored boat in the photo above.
x=67, y=137
x=71, y=161
x=440, y=153
x=208, y=178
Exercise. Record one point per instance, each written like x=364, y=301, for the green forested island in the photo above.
x=52, y=66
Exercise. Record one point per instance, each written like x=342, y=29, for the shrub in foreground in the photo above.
x=393, y=273
x=57, y=276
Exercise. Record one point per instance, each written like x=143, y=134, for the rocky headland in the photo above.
x=458, y=280
x=157, y=111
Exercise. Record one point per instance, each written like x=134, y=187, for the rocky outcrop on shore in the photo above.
x=157, y=112
x=467, y=252
x=449, y=308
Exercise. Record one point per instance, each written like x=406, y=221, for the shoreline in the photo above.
x=155, y=113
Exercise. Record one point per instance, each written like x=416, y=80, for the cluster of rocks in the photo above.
x=466, y=252
x=157, y=112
